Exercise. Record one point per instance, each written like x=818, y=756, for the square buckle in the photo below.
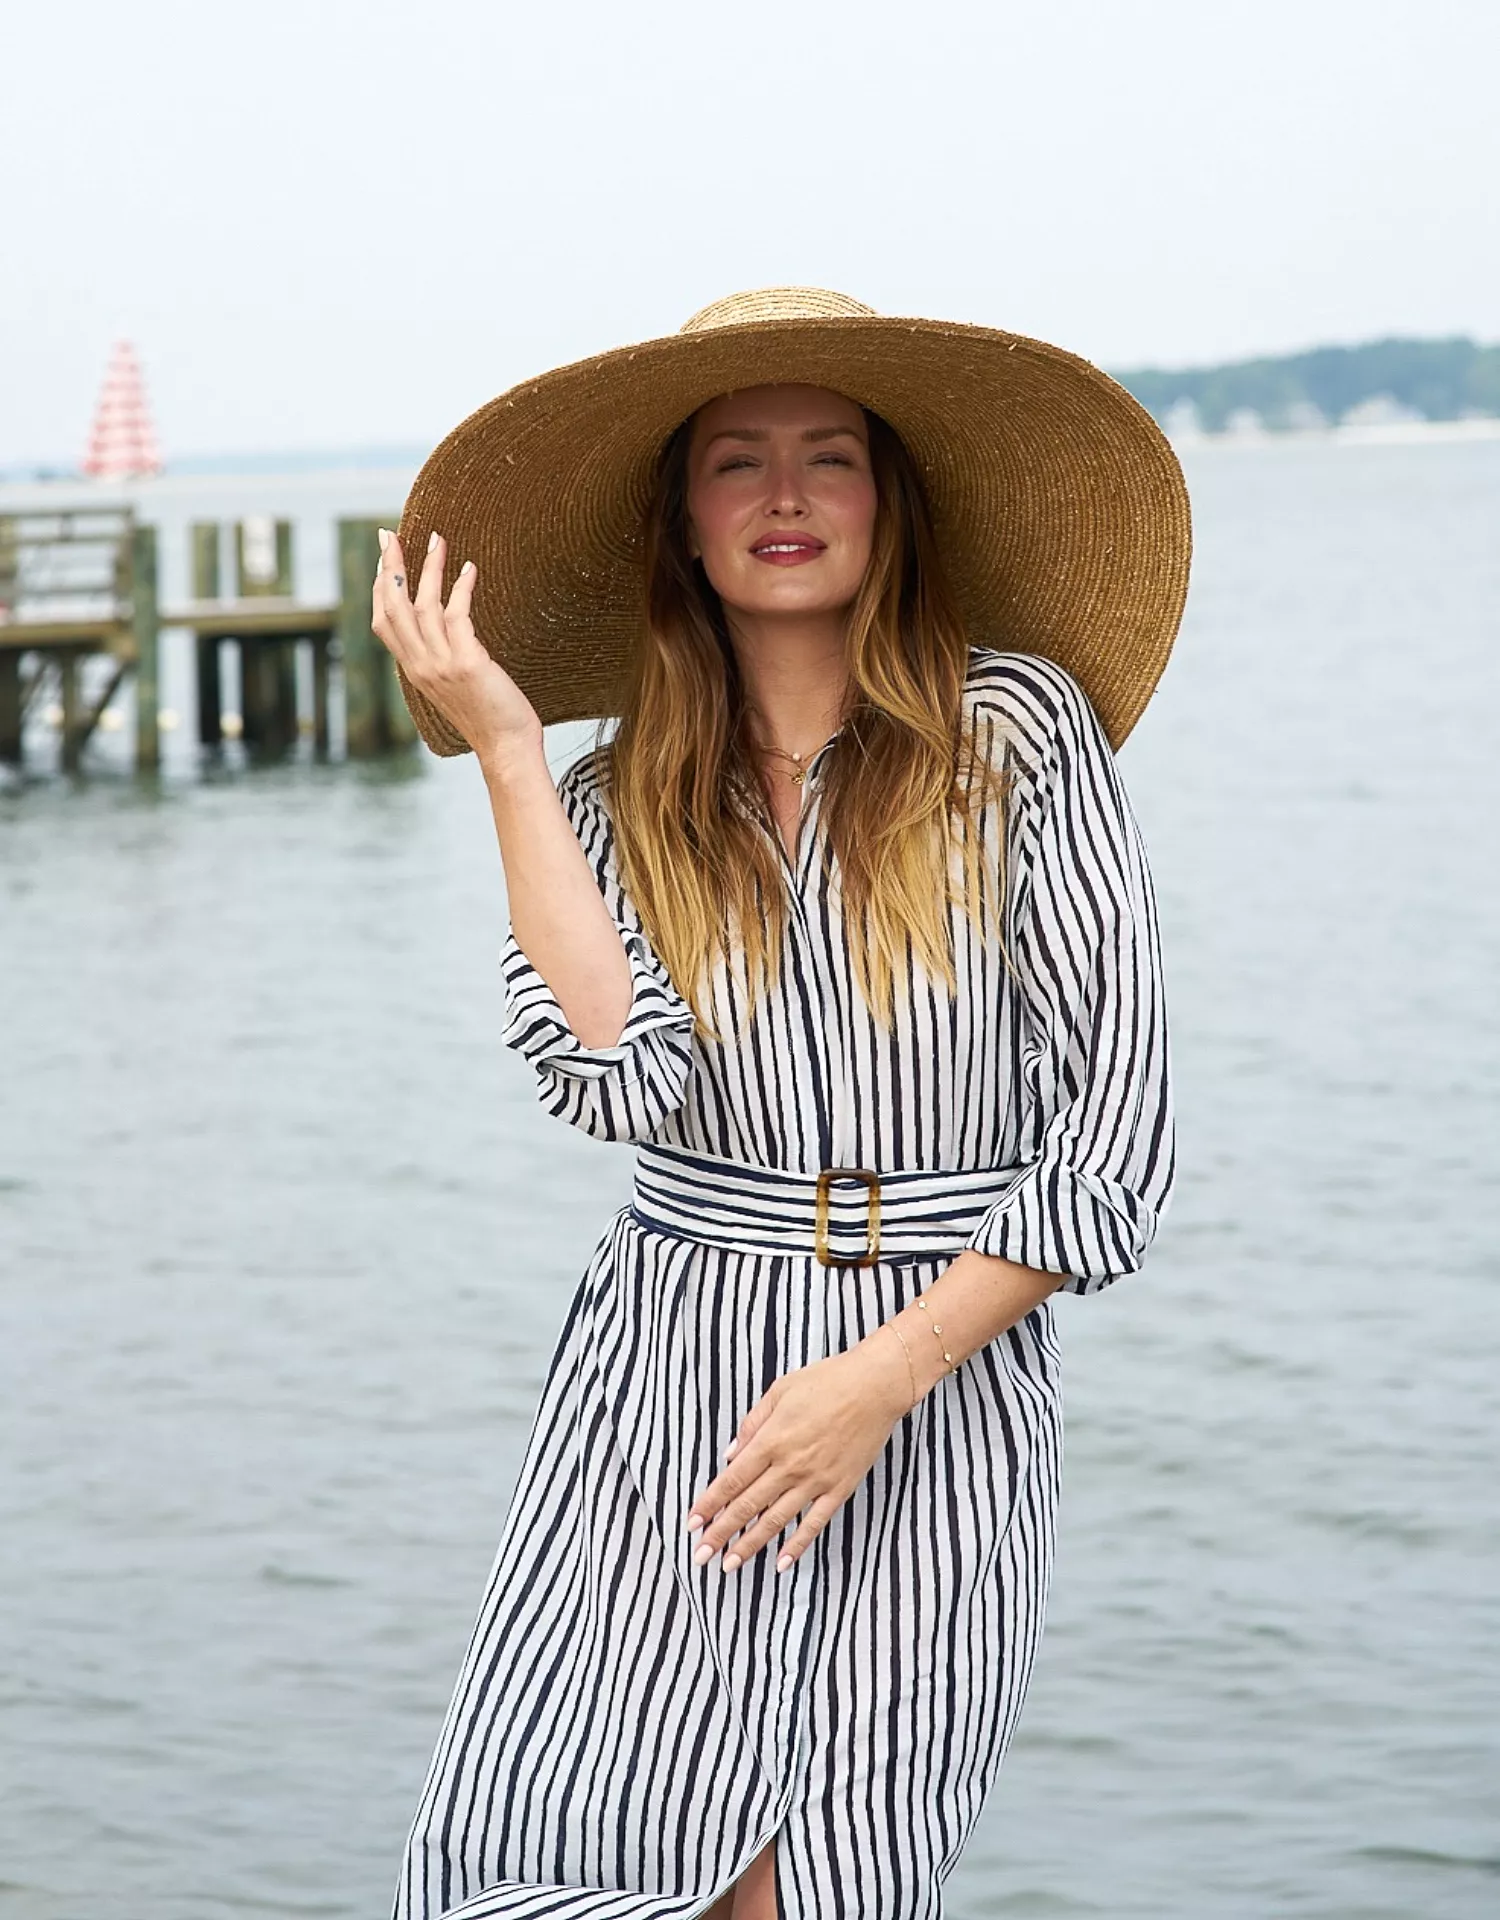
x=872, y=1217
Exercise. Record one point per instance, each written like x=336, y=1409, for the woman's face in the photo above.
x=781, y=499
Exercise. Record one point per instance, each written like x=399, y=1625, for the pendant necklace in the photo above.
x=800, y=773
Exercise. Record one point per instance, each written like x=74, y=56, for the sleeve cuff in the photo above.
x=1059, y=1220
x=537, y=1027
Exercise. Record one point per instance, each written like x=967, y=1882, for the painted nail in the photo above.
x=432, y=541
x=730, y=1449
x=385, y=538
x=467, y=567
x=731, y=1561
x=783, y=1563
x=704, y=1554
x=694, y=1521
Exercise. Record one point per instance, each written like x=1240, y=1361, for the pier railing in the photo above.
x=81, y=583
x=76, y=583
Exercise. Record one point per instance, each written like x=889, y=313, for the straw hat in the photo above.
x=1060, y=508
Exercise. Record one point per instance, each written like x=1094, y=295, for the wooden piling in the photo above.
x=257, y=693
x=72, y=739
x=203, y=547
x=12, y=701
x=210, y=690
x=376, y=716
x=320, y=697
x=11, y=706
x=284, y=693
x=145, y=635
x=203, y=538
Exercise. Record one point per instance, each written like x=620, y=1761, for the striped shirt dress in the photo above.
x=629, y=1730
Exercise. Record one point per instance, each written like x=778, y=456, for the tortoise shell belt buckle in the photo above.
x=872, y=1217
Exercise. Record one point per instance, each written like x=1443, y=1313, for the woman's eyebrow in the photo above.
x=761, y=433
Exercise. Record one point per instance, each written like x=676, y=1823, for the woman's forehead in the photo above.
x=798, y=408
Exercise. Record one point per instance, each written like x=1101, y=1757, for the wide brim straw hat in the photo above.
x=1059, y=506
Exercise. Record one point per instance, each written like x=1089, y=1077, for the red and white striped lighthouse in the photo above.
x=122, y=443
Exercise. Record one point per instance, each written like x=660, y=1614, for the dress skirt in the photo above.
x=629, y=1729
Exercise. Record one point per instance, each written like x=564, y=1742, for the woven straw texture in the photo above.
x=1059, y=505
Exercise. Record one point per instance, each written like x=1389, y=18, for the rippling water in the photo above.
x=286, y=1241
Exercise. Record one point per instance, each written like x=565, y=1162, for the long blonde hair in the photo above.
x=903, y=785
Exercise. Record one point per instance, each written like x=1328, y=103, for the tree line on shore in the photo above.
x=1452, y=379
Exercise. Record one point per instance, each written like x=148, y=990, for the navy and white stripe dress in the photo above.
x=629, y=1730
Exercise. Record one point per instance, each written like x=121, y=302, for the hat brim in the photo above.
x=1060, y=507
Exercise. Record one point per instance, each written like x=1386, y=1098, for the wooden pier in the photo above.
x=82, y=582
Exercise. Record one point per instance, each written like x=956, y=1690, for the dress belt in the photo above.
x=842, y=1216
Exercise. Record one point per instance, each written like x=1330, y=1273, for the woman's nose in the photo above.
x=785, y=495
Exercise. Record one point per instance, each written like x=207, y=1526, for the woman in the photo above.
x=850, y=930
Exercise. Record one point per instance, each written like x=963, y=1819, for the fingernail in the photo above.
x=783, y=1563
x=730, y=1448
x=704, y=1553
x=731, y=1561
x=385, y=538
x=694, y=1521
x=467, y=567
x=432, y=541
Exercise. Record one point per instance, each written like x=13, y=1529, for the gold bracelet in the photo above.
x=910, y=1369
x=938, y=1331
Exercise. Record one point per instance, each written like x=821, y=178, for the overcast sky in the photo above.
x=329, y=224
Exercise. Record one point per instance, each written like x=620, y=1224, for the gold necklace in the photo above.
x=786, y=754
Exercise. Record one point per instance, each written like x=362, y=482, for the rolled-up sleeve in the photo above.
x=621, y=1092
x=1098, y=1145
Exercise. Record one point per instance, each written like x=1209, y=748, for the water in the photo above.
x=286, y=1242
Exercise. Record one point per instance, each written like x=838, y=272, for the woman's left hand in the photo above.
x=802, y=1449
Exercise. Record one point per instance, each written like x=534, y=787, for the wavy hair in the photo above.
x=904, y=786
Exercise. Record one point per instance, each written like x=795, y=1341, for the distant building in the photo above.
x=1244, y=423
x=1380, y=410
x=1182, y=421
x=122, y=443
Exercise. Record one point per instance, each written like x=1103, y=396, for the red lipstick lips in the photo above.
x=787, y=549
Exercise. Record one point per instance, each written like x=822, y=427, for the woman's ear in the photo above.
x=695, y=550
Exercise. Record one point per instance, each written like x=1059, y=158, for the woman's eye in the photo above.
x=833, y=459
x=735, y=462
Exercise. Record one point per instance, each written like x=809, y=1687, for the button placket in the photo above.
x=808, y=825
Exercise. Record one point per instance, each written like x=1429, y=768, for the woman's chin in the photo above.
x=788, y=600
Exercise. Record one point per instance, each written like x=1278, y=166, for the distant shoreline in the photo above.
x=1394, y=382
x=1385, y=433
x=292, y=469
x=50, y=488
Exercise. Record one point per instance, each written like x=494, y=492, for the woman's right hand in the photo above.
x=443, y=657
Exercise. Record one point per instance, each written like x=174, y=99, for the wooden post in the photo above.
x=257, y=694
x=204, y=536
x=145, y=631
x=363, y=656
x=203, y=542
x=284, y=685
x=320, y=648
x=249, y=652
x=210, y=691
x=72, y=744
x=10, y=565
x=10, y=706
